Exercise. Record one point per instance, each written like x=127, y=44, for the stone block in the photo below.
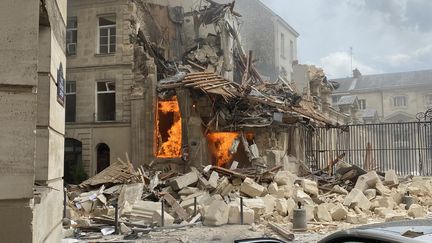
x=370, y=193
x=322, y=214
x=285, y=191
x=357, y=198
x=395, y=217
x=273, y=188
x=130, y=194
x=157, y=218
x=213, y=180
x=257, y=205
x=391, y=178
x=234, y=215
x=284, y=177
x=381, y=189
x=340, y=190
x=291, y=204
x=184, y=181
x=303, y=198
x=338, y=212
x=310, y=187
x=216, y=213
x=383, y=211
x=188, y=191
x=354, y=218
x=124, y=229
x=251, y=188
x=386, y=202
x=282, y=206
x=310, y=212
x=367, y=181
x=270, y=203
x=416, y=211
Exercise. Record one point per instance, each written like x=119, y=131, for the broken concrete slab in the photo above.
x=234, y=215
x=284, y=177
x=322, y=214
x=391, y=178
x=338, y=212
x=357, y=198
x=416, y=211
x=310, y=187
x=184, y=181
x=367, y=181
x=216, y=213
x=251, y=188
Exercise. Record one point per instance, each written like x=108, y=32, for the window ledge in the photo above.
x=105, y=54
x=113, y=121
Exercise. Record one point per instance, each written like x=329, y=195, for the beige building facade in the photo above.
x=33, y=68
x=392, y=97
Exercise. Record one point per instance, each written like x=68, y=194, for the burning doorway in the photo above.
x=169, y=129
x=225, y=147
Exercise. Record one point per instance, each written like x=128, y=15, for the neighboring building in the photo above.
x=33, y=66
x=391, y=97
x=272, y=40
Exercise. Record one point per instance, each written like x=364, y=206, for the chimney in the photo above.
x=356, y=73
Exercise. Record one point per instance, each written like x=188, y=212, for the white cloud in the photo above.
x=338, y=64
x=414, y=57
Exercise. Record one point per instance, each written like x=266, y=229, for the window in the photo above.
x=291, y=51
x=105, y=101
x=107, y=34
x=362, y=104
x=70, y=101
x=399, y=101
x=335, y=99
x=428, y=100
x=71, y=36
x=282, y=45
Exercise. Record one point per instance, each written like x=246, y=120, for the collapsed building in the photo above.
x=176, y=88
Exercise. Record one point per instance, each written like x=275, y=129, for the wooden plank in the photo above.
x=282, y=231
x=175, y=205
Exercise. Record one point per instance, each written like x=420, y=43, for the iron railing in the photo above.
x=404, y=147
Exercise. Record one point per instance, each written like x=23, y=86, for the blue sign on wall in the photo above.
x=60, y=86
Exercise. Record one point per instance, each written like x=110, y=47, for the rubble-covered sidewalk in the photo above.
x=150, y=201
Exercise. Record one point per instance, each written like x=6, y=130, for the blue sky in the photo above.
x=386, y=35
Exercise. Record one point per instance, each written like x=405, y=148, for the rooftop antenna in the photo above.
x=351, y=55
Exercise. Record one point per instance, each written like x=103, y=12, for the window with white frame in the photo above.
x=282, y=45
x=362, y=104
x=105, y=92
x=400, y=101
x=71, y=35
x=107, y=34
x=70, y=101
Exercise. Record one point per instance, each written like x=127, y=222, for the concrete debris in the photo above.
x=310, y=187
x=391, y=178
x=416, y=211
x=338, y=212
x=251, y=188
x=216, y=213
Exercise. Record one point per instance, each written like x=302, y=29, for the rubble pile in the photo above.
x=215, y=195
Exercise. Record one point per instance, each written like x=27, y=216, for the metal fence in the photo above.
x=404, y=147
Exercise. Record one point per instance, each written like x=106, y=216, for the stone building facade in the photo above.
x=391, y=97
x=272, y=39
x=33, y=64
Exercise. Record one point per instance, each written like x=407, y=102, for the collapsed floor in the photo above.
x=151, y=200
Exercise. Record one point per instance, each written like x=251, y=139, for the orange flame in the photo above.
x=219, y=144
x=172, y=147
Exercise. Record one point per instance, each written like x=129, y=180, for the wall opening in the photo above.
x=74, y=172
x=169, y=129
x=103, y=157
x=226, y=147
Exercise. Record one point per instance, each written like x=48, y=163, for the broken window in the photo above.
x=362, y=104
x=169, y=129
x=105, y=101
x=107, y=34
x=71, y=36
x=399, y=101
x=282, y=45
x=70, y=101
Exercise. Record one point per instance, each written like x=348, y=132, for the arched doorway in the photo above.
x=74, y=172
x=103, y=157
